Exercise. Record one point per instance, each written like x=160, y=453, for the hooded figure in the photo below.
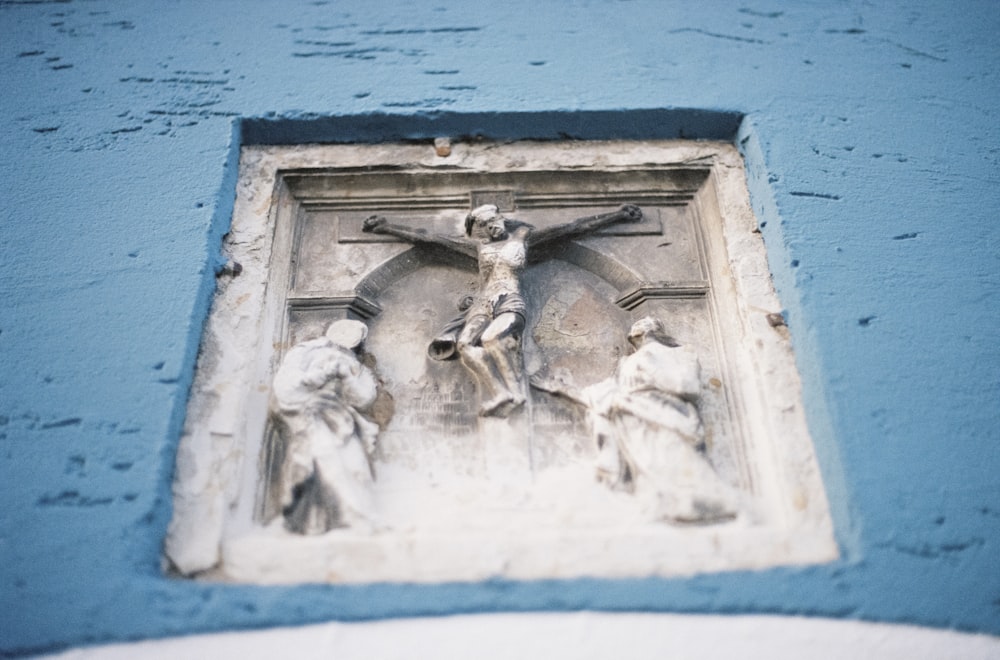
x=648, y=430
x=317, y=398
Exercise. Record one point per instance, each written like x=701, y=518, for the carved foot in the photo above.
x=501, y=406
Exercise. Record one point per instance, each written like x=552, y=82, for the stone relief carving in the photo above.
x=528, y=417
x=487, y=338
x=648, y=431
x=644, y=418
x=318, y=397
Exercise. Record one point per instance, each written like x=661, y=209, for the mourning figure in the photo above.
x=648, y=430
x=318, y=397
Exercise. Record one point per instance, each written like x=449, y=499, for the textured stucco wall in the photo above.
x=871, y=133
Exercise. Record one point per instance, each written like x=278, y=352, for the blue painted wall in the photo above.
x=872, y=138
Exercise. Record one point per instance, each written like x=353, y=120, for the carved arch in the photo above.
x=609, y=269
x=390, y=271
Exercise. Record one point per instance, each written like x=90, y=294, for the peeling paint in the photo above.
x=800, y=193
x=716, y=35
x=883, y=245
x=71, y=421
x=413, y=31
x=74, y=499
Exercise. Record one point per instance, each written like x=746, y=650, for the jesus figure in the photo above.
x=488, y=340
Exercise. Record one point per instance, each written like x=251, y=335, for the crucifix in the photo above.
x=487, y=338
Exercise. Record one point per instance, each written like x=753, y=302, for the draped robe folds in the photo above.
x=327, y=476
x=650, y=436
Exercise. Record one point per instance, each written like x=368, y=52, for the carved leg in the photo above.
x=491, y=390
x=475, y=358
x=502, y=342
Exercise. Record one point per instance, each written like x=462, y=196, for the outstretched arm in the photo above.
x=584, y=226
x=558, y=387
x=377, y=224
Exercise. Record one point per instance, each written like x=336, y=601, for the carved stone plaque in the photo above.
x=526, y=360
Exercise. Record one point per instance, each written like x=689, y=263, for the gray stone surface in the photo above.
x=686, y=453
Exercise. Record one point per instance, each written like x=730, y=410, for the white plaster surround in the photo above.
x=575, y=635
x=457, y=531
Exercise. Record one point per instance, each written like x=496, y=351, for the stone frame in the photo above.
x=216, y=531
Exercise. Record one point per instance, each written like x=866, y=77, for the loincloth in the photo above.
x=510, y=303
x=445, y=345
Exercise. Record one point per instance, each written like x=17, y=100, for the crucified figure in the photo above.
x=488, y=339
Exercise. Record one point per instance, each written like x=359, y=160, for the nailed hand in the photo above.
x=374, y=224
x=631, y=212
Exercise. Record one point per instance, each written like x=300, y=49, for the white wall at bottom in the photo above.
x=568, y=635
